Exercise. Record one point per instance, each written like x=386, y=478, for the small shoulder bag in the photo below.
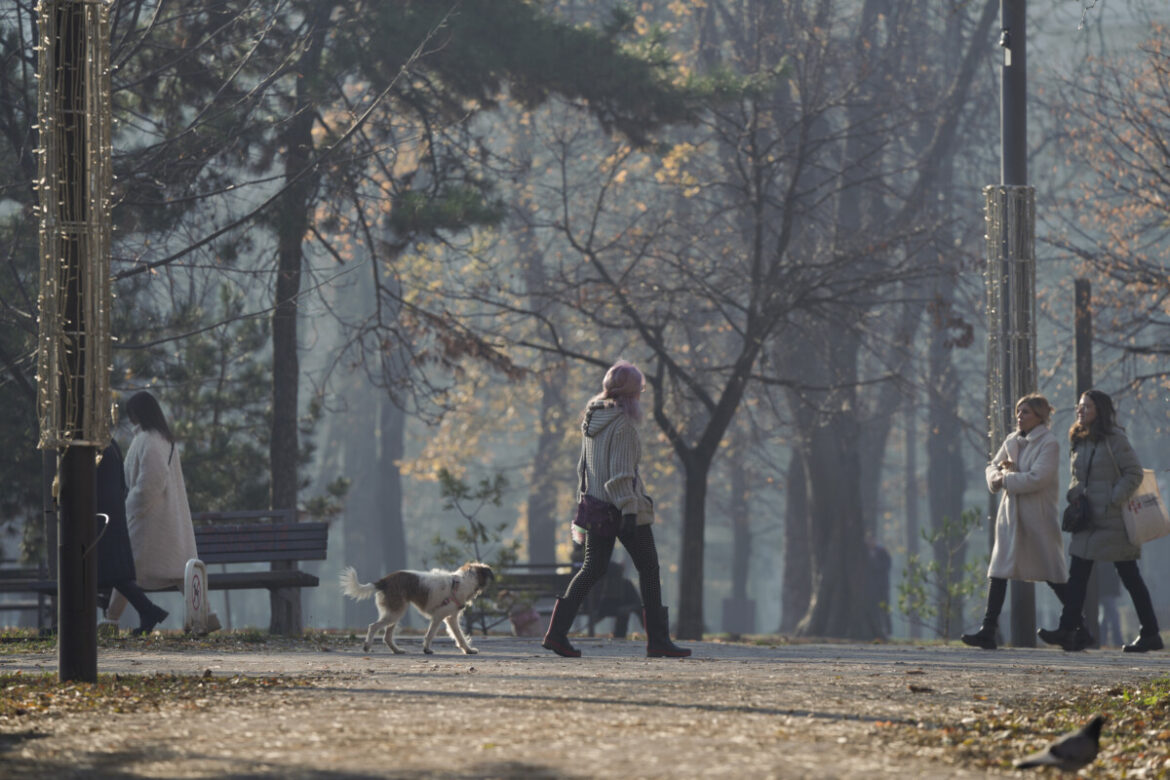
x=595, y=515
x=1078, y=515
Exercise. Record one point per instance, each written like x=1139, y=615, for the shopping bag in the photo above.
x=1145, y=513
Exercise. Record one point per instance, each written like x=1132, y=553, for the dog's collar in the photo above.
x=451, y=598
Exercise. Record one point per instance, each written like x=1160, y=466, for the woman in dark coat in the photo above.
x=115, y=558
x=1106, y=470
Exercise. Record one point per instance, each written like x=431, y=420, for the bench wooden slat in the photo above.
x=251, y=556
x=284, y=515
x=262, y=542
x=239, y=580
x=28, y=585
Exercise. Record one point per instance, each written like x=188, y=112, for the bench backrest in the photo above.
x=260, y=542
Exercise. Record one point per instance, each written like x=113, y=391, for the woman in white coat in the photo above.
x=157, y=514
x=1028, y=545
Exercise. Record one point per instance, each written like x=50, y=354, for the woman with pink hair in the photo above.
x=612, y=505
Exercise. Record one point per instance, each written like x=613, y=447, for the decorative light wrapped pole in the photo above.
x=1011, y=274
x=73, y=369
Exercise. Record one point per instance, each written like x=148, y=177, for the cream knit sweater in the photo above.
x=608, y=467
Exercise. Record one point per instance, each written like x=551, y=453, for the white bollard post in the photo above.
x=195, y=597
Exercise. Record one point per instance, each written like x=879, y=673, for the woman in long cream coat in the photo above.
x=157, y=514
x=1028, y=544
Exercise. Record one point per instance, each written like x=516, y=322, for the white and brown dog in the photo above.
x=437, y=594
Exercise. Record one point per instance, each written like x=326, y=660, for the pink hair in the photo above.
x=623, y=384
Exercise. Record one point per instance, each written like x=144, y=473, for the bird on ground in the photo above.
x=1071, y=752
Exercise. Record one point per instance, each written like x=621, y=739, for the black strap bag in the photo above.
x=1078, y=515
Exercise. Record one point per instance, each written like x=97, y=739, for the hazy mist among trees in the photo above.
x=357, y=243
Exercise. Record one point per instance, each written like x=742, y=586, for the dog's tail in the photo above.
x=359, y=591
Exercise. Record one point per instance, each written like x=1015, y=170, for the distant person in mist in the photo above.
x=157, y=513
x=608, y=471
x=1028, y=545
x=1106, y=469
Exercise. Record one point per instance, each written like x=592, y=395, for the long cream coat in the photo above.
x=1028, y=543
x=157, y=513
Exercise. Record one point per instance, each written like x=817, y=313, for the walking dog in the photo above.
x=437, y=594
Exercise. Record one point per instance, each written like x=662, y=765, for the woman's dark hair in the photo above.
x=143, y=410
x=1103, y=424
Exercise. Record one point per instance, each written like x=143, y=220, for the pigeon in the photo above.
x=1071, y=752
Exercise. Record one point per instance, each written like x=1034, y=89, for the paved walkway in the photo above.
x=514, y=710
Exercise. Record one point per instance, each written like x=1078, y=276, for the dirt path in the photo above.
x=515, y=710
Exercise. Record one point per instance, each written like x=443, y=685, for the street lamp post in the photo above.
x=73, y=356
x=1011, y=273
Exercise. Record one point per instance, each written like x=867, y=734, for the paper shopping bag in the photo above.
x=1145, y=513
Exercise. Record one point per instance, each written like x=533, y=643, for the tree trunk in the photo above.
x=944, y=458
x=739, y=612
x=391, y=448
x=292, y=224
x=797, y=587
x=741, y=529
x=546, y=484
x=945, y=476
x=913, y=524
x=359, y=521
x=830, y=439
x=690, y=601
x=373, y=532
x=838, y=605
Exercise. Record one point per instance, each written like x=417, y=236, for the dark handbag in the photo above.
x=1078, y=515
x=597, y=516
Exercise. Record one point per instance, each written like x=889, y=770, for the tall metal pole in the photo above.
x=1083, y=343
x=73, y=328
x=1011, y=273
x=1014, y=93
x=76, y=572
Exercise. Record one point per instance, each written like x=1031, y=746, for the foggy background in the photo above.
x=773, y=208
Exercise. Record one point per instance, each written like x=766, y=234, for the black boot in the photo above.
x=1149, y=638
x=1082, y=639
x=557, y=636
x=1146, y=641
x=148, y=619
x=1066, y=638
x=658, y=644
x=983, y=638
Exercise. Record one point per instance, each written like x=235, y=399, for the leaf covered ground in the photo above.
x=1135, y=741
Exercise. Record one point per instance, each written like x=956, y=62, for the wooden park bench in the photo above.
x=221, y=538
x=539, y=585
x=13, y=579
x=227, y=538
